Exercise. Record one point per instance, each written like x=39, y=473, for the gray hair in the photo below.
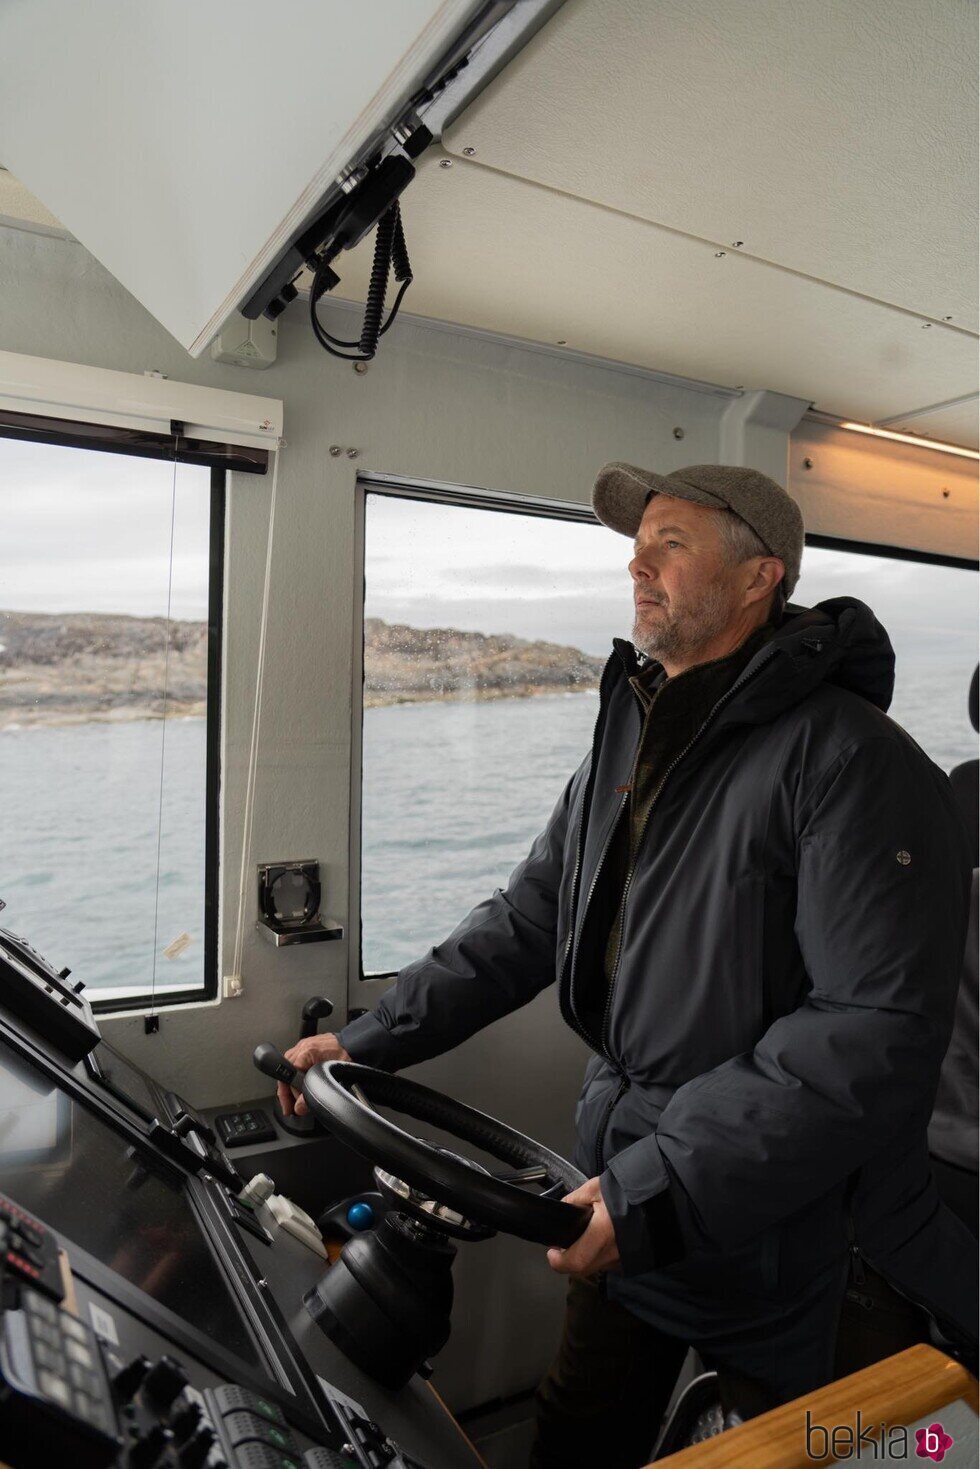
x=740, y=542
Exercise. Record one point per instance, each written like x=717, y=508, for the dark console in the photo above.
x=151, y=1310
x=39, y=994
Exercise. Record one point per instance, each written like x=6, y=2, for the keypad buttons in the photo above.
x=54, y=1387
x=76, y=1352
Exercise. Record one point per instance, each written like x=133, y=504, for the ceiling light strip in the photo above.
x=914, y=440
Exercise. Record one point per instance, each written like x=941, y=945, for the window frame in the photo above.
x=514, y=503
x=103, y=438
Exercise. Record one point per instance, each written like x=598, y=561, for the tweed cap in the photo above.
x=622, y=491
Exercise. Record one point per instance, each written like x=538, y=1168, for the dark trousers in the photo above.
x=606, y=1392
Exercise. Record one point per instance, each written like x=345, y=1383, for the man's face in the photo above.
x=684, y=591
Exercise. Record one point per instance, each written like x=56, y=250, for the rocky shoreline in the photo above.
x=83, y=667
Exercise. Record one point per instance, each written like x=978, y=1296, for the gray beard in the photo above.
x=680, y=633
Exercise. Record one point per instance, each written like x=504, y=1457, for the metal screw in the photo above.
x=947, y=318
x=737, y=244
x=335, y=450
x=262, y=1284
x=445, y=163
x=720, y=253
x=926, y=325
x=468, y=152
x=562, y=342
x=904, y=857
x=360, y=368
x=353, y=453
x=808, y=464
x=678, y=433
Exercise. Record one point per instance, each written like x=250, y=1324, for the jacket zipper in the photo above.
x=571, y=1016
x=611, y=1105
x=858, y=1260
x=575, y=1023
x=604, y=1029
x=579, y=1027
x=739, y=683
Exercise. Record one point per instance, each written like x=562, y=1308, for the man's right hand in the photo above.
x=303, y=1055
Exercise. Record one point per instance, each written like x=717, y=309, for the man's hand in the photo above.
x=595, y=1250
x=303, y=1055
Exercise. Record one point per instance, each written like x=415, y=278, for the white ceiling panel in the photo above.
x=500, y=254
x=956, y=423
x=837, y=139
x=181, y=143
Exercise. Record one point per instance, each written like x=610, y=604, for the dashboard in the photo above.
x=151, y=1315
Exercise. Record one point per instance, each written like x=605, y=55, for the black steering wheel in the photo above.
x=341, y=1094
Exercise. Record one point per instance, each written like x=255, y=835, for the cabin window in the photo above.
x=110, y=590
x=928, y=607
x=485, y=629
x=486, y=624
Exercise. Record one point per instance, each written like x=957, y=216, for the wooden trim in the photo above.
x=899, y=1390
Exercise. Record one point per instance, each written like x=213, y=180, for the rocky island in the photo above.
x=406, y=665
x=69, y=668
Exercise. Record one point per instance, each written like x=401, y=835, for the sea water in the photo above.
x=454, y=793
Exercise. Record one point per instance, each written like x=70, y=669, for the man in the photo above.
x=753, y=895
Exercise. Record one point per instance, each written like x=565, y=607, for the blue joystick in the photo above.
x=360, y=1216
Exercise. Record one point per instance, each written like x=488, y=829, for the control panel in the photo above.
x=61, y=1403
x=237, y=1129
x=28, y=1250
x=70, y=1394
x=151, y=1299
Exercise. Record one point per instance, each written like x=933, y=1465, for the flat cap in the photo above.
x=622, y=490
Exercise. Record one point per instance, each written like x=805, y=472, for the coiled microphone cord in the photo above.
x=390, y=255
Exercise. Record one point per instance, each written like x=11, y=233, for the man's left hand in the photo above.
x=595, y=1249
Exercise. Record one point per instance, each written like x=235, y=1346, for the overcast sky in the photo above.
x=85, y=531
x=442, y=566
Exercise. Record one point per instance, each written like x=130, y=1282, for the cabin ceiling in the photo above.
x=632, y=141
x=768, y=193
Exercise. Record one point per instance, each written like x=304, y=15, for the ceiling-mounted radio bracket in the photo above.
x=376, y=175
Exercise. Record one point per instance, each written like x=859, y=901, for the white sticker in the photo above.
x=177, y=946
x=102, y=1324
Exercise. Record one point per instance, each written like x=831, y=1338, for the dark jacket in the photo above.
x=791, y=949
x=953, y=1127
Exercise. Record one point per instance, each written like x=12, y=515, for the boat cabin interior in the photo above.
x=317, y=324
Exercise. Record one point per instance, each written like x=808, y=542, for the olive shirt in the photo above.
x=674, y=711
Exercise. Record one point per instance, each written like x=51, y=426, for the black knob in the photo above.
x=127, y=1380
x=273, y=1063
x=164, y=1381
x=314, y=1011
x=146, y=1452
x=196, y=1450
x=184, y=1418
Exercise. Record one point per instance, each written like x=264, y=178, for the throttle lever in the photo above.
x=272, y=1063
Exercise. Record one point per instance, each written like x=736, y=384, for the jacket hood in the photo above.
x=839, y=641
